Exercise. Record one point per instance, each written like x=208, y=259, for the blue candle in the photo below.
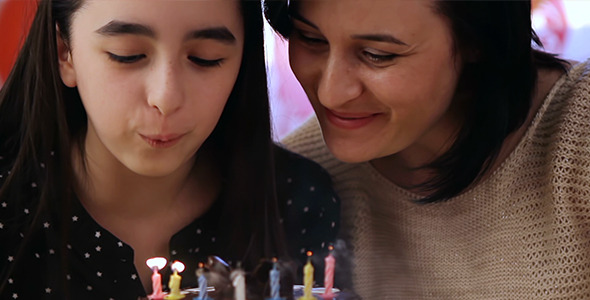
x=275, y=286
x=202, y=283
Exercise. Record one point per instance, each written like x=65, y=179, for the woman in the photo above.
x=133, y=129
x=459, y=151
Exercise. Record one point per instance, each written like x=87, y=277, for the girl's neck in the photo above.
x=110, y=191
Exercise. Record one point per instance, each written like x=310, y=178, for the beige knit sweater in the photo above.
x=523, y=233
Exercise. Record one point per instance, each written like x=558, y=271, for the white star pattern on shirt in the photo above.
x=34, y=184
x=26, y=211
x=75, y=218
x=89, y=288
x=46, y=225
x=120, y=244
x=10, y=258
x=97, y=234
x=10, y=281
x=133, y=276
x=1, y=226
x=99, y=274
x=87, y=255
x=51, y=251
x=98, y=248
x=15, y=296
x=4, y=204
x=47, y=291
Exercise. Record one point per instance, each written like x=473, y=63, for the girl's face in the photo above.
x=154, y=77
x=380, y=75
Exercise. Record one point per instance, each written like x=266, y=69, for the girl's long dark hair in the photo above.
x=41, y=119
x=500, y=82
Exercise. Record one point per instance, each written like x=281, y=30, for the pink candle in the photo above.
x=156, y=264
x=329, y=274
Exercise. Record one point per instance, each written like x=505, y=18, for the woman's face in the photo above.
x=154, y=77
x=379, y=74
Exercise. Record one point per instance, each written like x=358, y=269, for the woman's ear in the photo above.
x=64, y=57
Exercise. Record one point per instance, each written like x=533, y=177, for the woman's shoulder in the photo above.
x=306, y=139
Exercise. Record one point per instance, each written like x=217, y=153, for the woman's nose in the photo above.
x=339, y=82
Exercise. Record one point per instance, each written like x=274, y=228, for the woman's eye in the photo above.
x=128, y=59
x=379, y=58
x=206, y=62
x=309, y=38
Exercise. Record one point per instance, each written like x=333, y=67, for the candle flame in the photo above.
x=274, y=260
x=177, y=266
x=156, y=262
x=330, y=247
x=201, y=265
x=309, y=253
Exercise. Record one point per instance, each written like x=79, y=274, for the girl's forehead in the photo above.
x=161, y=17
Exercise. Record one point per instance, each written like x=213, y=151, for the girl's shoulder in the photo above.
x=302, y=180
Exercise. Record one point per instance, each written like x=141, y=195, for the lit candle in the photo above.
x=174, y=283
x=239, y=283
x=307, y=279
x=156, y=264
x=202, y=283
x=275, y=286
x=329, y=274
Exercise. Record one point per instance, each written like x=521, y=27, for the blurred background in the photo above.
x=562, y=25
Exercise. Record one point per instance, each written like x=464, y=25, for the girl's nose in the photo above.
x=165, y=86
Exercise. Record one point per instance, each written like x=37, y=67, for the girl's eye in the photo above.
x=206, y=62
x=379, y=58
x=126, y=59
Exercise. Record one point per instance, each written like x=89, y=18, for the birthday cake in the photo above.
x=271, y=280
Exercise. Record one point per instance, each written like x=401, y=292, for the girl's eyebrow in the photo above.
x=220, y=33
x=113, y=28
x=118, y=28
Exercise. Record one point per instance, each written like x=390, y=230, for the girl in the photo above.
x=133, y=129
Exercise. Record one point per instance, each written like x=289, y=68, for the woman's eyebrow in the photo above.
x=387, y=38
x=218, y=33
x=378, y=37
x=295, y=15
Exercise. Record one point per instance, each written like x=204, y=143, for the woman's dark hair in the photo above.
x=499, y=78
x=41, y=119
